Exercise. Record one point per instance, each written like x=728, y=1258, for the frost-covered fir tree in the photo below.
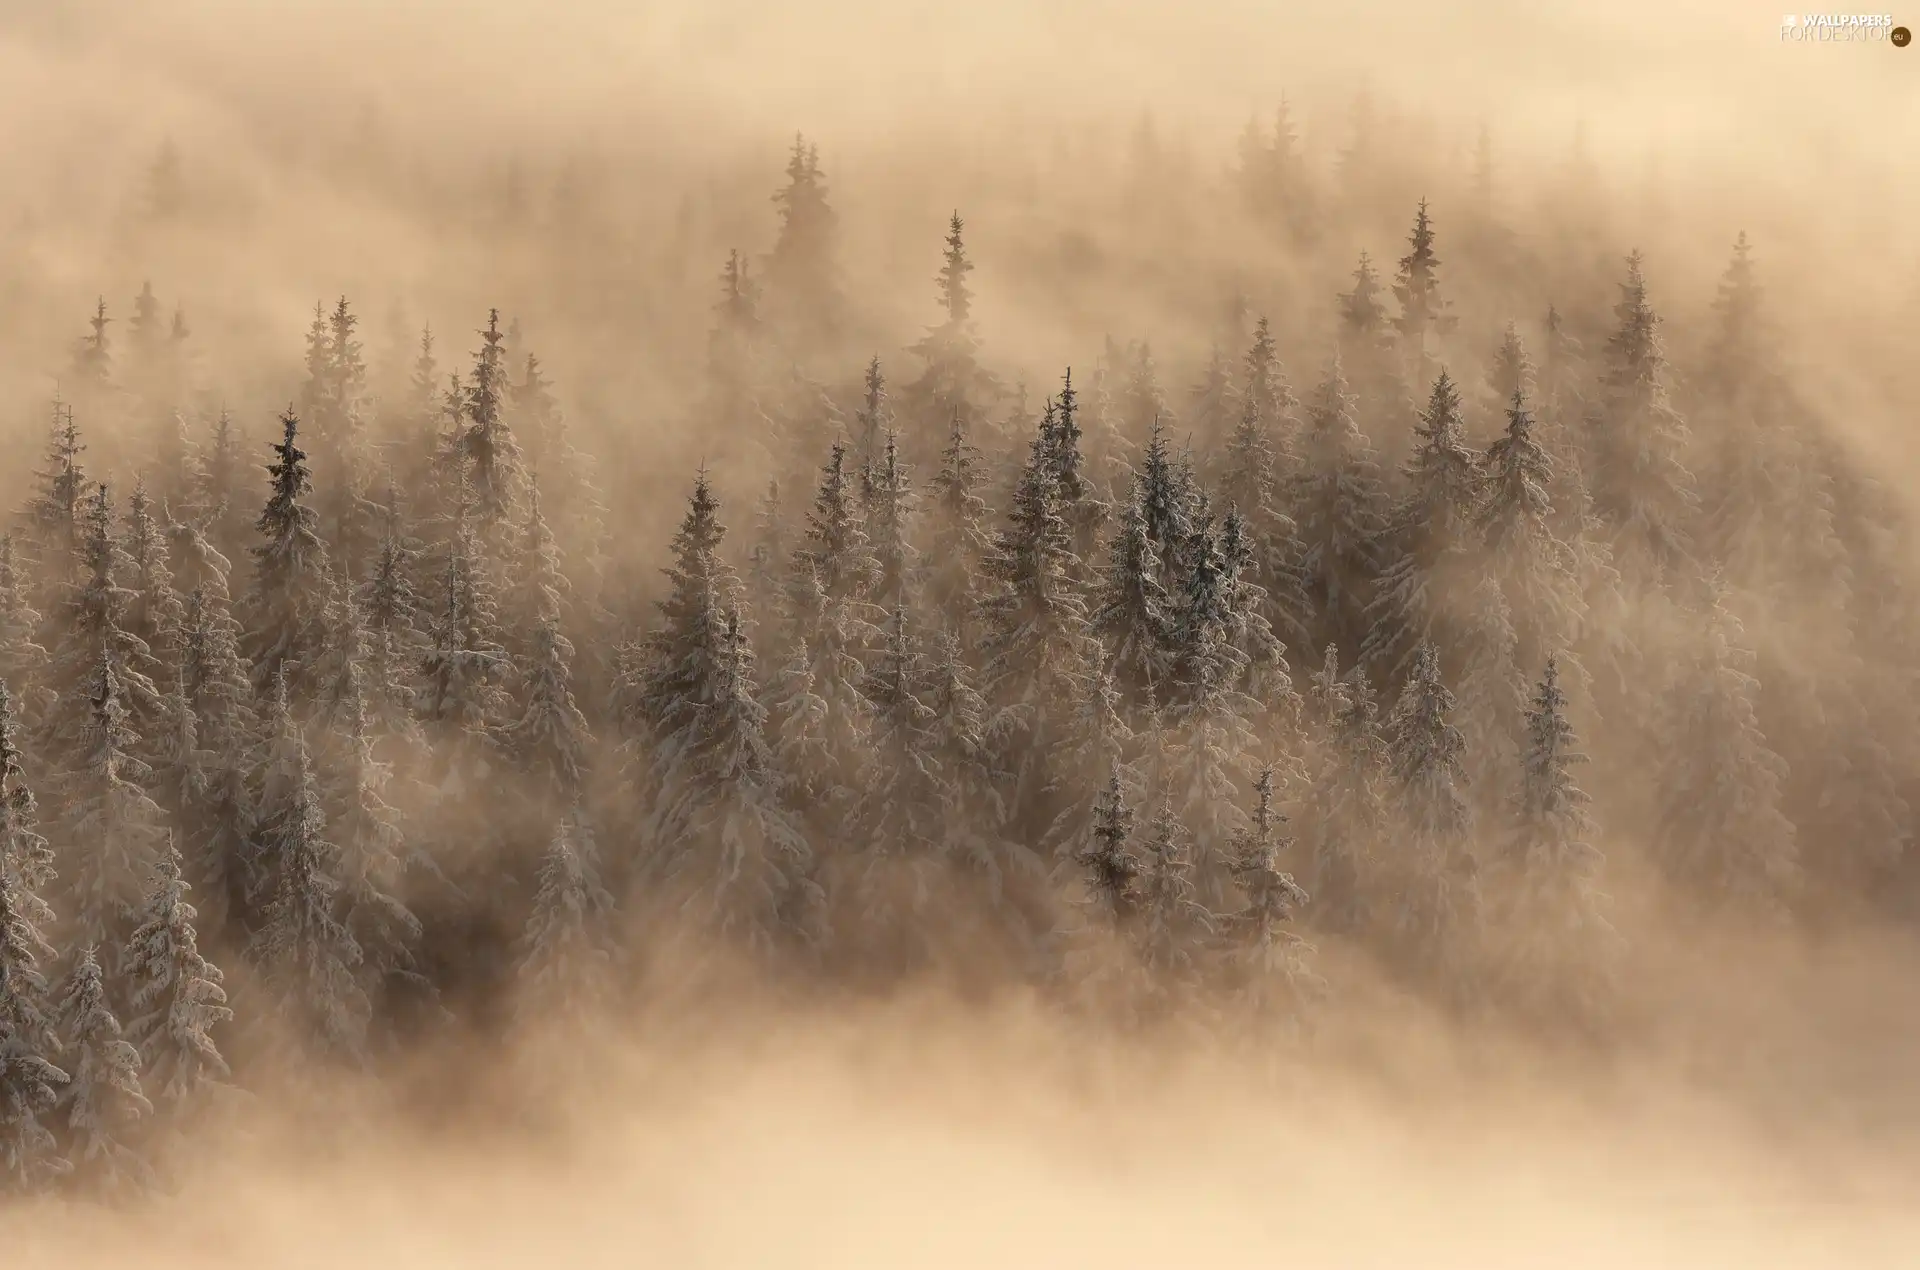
x=1174, y=926
x=566, y=952
x=176, y=996
x=956, y=519
x=155, y=614
x=1271, y=961
x=1722, y=831
x=1493, y=690
x=1214, y=402
x=30, y=1078
x=1511, y=372
x=391, y=607
x=102, y=1100
x=372, y=848
x=92, y=631
x=1429, y=543
x=1132, y=613
x=954, y=388
x=1165, y=508
x=109, y=829
x=1642, y=490
x=735, y=859
x=219, y=494
x=220, y=829
x=466, y=669
x=1339, y=504
x=767, y=555
x=287, y=608
x=307, y=954
x=1251, y=483
x=493, y=465
x=55, y=515
x=1564, y=954
x=1110, y=866
x=803, y=288
x=1079, y=507
x=1036, y=640
x=1423, y=310
x=836, y=549
x=22, y=848
x=22, y=661
x=1099, y=740
x=1537, y=571
x=1345, y=812
x=889, y=517
x=1437, y=903
x=897, y=814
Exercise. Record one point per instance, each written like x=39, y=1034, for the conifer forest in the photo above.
x=1209, y=589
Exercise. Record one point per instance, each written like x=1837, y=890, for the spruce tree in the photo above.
x=1339, y=504
x=897, y=815
x=566, y=953
x=1564, y=955
x=1423, y=310
x=22, y=661
x=176, y=995
x=373, y=852
x=1036, y=639
x=1438, y=900
x=1271, y=960
x=739, y=864
x=1345, y=815
x=953, y=387
x=1721, y=829
x=102, y=1099
x=896, y=558
x=154, y=611
x=1251, y=485
x=109, y=827
x=92, y=627
x=493, y=462
x=22, y=849
x=30, y=1080
x=957, y=518
x=802, y=271
x=306, y=952
x=1174, y=924
x=1132, y=613
x=1642, y=489
x=1430, y=540
x=58, y=505
x=287, y=606
x=1537, y=571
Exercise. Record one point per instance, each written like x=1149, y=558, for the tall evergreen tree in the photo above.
x=111, y=830
x=303, y=945
x=1438, y=900
x=957, y=516
x=176, y=994
x=1430, y=540
x=1641, y=487
x=102, y=1100
x=566, y=953
x=1565, y=952
x=1271, y=959
x=1423, y=310
x=30, y=1080
x=287, y=607
x=1721, y=829
x=1340, y=506
x=1036, y=639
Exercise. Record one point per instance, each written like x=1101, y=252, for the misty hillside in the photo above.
x=1208, y=588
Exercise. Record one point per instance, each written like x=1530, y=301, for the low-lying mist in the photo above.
x=1087, y=634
